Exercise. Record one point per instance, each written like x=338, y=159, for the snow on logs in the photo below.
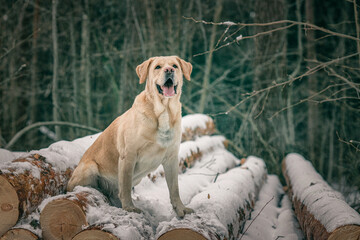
x=103, y=220
x=222, y=208
x=26, y=181
x=272, y=217
x=86, y=214
x=195, y=125
x=322, y=212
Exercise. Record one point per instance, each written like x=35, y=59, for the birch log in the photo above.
x=222, y=208
x=322, y=212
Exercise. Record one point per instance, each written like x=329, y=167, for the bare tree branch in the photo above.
x=39, y=124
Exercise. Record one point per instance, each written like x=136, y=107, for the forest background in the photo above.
x=278, y=76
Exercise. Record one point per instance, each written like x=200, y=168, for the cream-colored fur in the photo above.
x=141, y=139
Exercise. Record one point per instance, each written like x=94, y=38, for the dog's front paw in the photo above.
x=132, y=209
x=181, y=211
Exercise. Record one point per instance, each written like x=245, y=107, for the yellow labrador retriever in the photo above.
x=141, y=139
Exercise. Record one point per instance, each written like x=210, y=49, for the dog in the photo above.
x=141, y=139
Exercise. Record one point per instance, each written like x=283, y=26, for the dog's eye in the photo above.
x=157, y=67
x=175, y=66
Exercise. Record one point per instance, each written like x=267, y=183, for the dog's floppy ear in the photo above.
x=186, y=68
x=143, y=69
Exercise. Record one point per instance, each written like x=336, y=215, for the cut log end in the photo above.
x=9, y=206
x=94, y=234
x=180, y=234
x=346, y=232
x=19, y=233
x=62, y=219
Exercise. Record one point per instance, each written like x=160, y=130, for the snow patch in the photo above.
x=193, y=121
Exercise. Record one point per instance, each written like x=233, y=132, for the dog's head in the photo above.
x=164, y=75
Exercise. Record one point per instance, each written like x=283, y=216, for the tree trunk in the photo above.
x=331, y=146
x=85, y=63
x=13, y=69
x=74, y=73
x=229, y=205
x=55, y=91
x=321, y=211
x=313, y=114
x=85, y=68
x=34, y=76
x=209, y=58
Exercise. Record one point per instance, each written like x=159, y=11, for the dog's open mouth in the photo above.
x=168, y=89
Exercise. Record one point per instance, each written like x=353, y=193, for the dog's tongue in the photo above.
x=168, y=91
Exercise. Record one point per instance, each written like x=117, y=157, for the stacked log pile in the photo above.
x=119, y=224
x=25, y=182
x=232, y=199
x=322, y=212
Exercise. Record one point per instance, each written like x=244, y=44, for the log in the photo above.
x=62, y=217
x=27, y=229
x=191, y=151
x=149, y=195
x=25, y=183
x=86, y=212
x=272, y=215
x=94, y=233
x=322, y=212
x=195, y=125
x=19, y=233
x=223, y=207
x=28, y=180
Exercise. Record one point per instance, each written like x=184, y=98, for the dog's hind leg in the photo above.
x=84, y=175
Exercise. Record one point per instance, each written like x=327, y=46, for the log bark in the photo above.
x=320, y=210
x=19, y=233
x=222, y=208
x=195, y=125
x=22, y=190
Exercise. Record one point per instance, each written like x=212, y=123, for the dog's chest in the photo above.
x=165, y=133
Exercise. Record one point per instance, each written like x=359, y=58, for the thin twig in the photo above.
x=256, y=217
x=306, y=25
x=350, y=143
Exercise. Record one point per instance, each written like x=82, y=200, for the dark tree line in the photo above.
x=277, y=76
